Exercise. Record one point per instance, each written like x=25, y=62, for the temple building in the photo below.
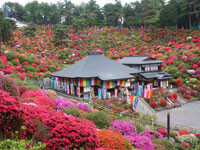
x=94, y=75
x=151, y=70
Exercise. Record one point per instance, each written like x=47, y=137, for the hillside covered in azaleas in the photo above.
x=46, y=52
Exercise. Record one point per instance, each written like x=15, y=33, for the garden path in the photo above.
x=187, y=115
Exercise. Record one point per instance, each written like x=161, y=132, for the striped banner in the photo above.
x=67, y=80
x=110, y=84
x=95, y=81
x=83, y=82
x=121, y=83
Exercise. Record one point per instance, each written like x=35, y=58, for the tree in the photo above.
x=169, y=14
x=15, y=10
x=151, y=10
x=112, y=13
x=93, y=13
x=6, y=27
x=132, y=14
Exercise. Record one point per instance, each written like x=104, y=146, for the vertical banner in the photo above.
x=135, y=106
x=131, y=99
x=127, y=98
x=116, y=93
x=90, y=94
x=122, y=93
x=105, y=93
x=68, y=89
x=79, y=92
x=99, y=94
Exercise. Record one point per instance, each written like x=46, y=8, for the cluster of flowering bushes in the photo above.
x=64, y=131
x=158, y=98
x=11, y=114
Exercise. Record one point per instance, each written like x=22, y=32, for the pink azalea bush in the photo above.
x=63, y=103
x=83, y=107
x=124, y=127
x=140, y=142
x=151, y=134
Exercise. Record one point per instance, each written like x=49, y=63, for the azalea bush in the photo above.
x=124, y=127
x=100, y=119
x=113, y=140
x=65, y=131
x=11, y=114
x=9, y=85
x=151, y=134
x=62, y=103
x=140, y=142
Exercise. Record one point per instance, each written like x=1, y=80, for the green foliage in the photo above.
x=2, y=66
x=73, y=112
x=163, y=144
x=52, y=68
x=29, y=85
x=14, y=62
x=195, y=60
x=100, y=119
x=9, y=85
x=6, y=27
x=190, y=139
x=139, y=127
x=13, y=144
x=47, y=74
x=11, y=56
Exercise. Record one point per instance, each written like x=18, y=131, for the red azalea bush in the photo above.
x=113, y=140
x=31, y=93
x=163, y=102
x=162, y=131
x=65, y=132
x=153, y=104
x=22, y=89
x=7, y=84
x=183, y=132
x=41, y=100
x=179, y=82
x=11, y=114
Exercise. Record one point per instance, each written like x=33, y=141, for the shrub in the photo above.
x=153, y=104
x=65, y=131
x=83, y=107
x=113, y=140
x=13, y=144
x=138, y=127
x=22, y=89
x=52, y=68
x=195, y=60
x=140, y=142
x=32, y=93
x=11, y=56
x=183, y=132
x=73, y=112
x=164, y=143
x=190, y=139
x=124, y=127
x=7, y=84
x=41, y=100
x=10, y=114
x=151, y=134
x=62, y=103
x=14, y=62
x=162, y=131
x=100, y=119
x=163, y=102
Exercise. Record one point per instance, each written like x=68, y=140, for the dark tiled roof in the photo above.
x=138, y=60
x=97, y=65
x=157, y=75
